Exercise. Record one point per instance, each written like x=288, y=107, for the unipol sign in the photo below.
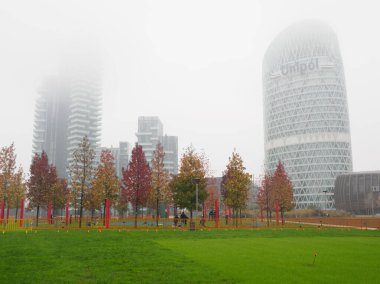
x=300, y=67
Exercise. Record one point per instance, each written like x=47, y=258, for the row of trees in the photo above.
x=276, y=188
x=90, y=183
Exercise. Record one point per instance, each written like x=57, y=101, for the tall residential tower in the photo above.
x=50, y=123
x=68, y=108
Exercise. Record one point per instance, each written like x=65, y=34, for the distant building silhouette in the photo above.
x=121, y=156
x=150, y=133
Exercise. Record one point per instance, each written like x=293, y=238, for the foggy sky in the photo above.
x=195, y=64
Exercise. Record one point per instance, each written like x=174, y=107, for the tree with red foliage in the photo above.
x=264, y=196
x=282, y=189
x=136, y=182
x=41, y=181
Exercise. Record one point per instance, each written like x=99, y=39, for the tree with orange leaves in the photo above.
x=193, y=166
x=160, y=180
x=7, y=173
x=236, y=183
x=17, y=190
x=59, y=195
x=105, y=184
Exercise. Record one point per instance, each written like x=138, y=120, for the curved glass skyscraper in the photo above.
x=305, y=112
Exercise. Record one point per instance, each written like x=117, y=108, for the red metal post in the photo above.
x=2, y=212
x=21, y=211
x=261, y=214
x=107, y=213
x=216, y=213
x=277, y=211
x=67, y=212
x=49, y=213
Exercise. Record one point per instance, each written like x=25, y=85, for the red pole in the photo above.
x=49, y=213
x=21, y=211
x=277, y=210
x=67, y=212
x=7, y=213
x=229, y=212
x=216, y=213
x=107, y=213
x=261, y=214
x=2, y=212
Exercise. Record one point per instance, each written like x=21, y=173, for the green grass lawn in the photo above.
x=219, y=256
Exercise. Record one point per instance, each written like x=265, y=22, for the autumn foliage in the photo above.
x=193, y=165
x=276, y=187
x=136, y=182
x=235, y=185
x=159, y=181
x=105, y=184
x=42, y=179
x=12, y=183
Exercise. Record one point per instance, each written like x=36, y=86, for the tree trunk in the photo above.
x=38, y=212
x=282, y=216
x=16, y=213
x=237, y=217
x=104, y=214
x=233, y=215
x=136, y=216
x=81, y=209
x=75, y=212
x=157, y=213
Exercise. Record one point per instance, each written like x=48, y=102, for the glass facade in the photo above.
x=358, y=192
x=305, y=112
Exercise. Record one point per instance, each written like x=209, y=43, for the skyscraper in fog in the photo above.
x=84, y=117
x=170, y=144
x=305, y=111
x=150, y=133
x=50, y=123
x=68, y=108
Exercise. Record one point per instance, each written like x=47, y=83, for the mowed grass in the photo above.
x=217, y=256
